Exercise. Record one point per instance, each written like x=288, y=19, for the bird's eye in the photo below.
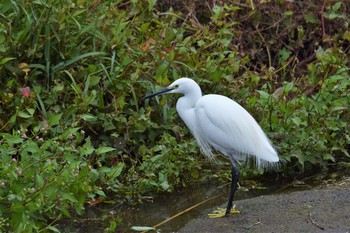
x=176, y=86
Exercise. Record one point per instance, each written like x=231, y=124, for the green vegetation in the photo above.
x=72, y=73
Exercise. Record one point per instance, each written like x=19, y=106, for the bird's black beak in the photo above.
x=157, y=93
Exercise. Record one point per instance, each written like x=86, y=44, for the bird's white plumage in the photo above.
x=220, y=123
x=231, y=129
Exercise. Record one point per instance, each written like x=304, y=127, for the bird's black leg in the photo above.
x=235, y=176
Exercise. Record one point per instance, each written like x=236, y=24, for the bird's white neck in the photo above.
x=189, y=98
x=185, y=107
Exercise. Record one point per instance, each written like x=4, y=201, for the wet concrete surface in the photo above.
x=322, y=209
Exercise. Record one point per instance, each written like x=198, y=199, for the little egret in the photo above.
x=220, y=123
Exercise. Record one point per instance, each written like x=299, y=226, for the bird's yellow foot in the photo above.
x=221, y=212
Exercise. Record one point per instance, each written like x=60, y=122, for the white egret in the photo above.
x=220, y=123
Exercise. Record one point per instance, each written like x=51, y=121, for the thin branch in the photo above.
x=316, y=224
x=322, y=19
x=266, y=45
x=183, y=212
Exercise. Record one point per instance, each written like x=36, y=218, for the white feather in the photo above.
x=230, y=129
x=220, y=123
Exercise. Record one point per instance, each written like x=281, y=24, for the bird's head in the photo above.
x=183, y=86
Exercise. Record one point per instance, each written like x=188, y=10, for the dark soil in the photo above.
x=322, y=209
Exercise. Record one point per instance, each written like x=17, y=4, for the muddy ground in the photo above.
x=322, y=209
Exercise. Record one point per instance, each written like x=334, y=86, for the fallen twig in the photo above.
x=183, y=212
x=322, y=18
x=315, y=223
x=254, y=224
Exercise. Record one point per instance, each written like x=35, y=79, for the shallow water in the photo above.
x=160, y=209
x=169, y=204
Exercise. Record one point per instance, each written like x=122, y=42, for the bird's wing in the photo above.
x=229, y=128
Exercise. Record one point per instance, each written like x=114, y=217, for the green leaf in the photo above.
x=296, y=121
x=162, y=71
x=333, y=15
x=66, y=134
x=104, y=149
x=100, y=192
x=311, y=18
x=24, y=115
x=37, y=90
x=12, y=197
x=116, y=171
x=63, y=65
x=12, y=139
x=13, y=119
x=344, y=164
x=88, y=117
x=346, y=36
x=40, y=181
x=105, y=169
x=263, y=94
x=54, y=119
x=144, y=27
x=87, y=148
x=31, y=147
x=58, y=89
x=288, y=13
x=336, y=6
x=6, y=59
x=121, y=101
x=31, y=111
x=200, y=43
x=126, y=60
x=151, y=4
x=165, y=185
x=94, y=175
x=284, y=54
x=53, y=228
x=70, y=197
x=94, y=80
